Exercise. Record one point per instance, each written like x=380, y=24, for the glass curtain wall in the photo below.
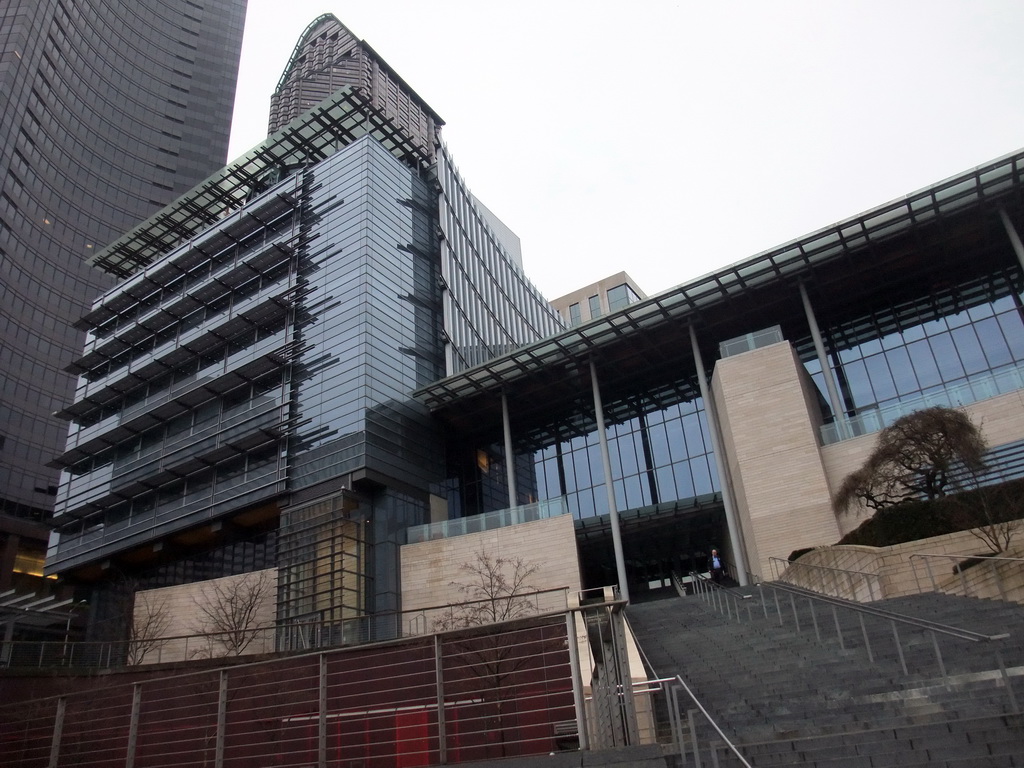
x=954, y=346
x=657, y=456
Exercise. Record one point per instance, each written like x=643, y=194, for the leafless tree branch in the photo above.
x=149, y=626
x=229, y=610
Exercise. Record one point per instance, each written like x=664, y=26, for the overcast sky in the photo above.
x=668, y=139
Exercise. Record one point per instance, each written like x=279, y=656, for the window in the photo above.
x=595, y=306
x=621, y=296
x=575, y=317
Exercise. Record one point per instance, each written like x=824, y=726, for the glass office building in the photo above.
x=244, y=396
x=110, y=110
x=735, y=405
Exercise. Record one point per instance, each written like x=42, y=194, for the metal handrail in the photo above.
x=673, y=709
x=926, y=556
x=934, y=628
x=258, y=639
x=867, y=575
x=724, y=599
x=732, y=747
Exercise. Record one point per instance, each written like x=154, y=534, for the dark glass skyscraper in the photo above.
x=109, y=109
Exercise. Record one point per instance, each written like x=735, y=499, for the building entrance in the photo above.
x=657, y=541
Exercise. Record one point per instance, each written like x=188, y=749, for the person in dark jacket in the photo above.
x=715, y=566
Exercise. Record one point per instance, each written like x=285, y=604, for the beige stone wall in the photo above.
x=175, y=613
x=771, y=438
x=840, y=459
x=871, y=573
x=783, y=479
x=1001, y=418
x=429, y=568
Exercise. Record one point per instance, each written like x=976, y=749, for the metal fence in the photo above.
x=477, y=694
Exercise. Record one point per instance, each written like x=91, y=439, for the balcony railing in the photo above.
x=978, y=388
x=488, y=521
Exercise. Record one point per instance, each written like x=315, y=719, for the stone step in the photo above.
x=780, y=691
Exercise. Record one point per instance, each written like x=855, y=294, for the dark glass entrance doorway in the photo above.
x=657, y=541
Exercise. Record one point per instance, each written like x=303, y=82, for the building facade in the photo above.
x=727, y=411
x=110, y=110
x=597, y=299
x=244, y=398
x=331, y=341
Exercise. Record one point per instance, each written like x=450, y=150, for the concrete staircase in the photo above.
x=788, y=699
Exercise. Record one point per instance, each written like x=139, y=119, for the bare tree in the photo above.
x=493, y=589
x=149, y=625
x=914, y=459
x=992, y=514
x=229, y=610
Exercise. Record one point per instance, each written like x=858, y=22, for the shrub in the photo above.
x=913, y=520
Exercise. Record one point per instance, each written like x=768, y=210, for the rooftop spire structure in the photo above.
x=328, y=57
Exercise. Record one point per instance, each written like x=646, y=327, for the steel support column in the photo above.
x=510, y=466
x=613, y=512
x=721, y=463
x=1011, y=232
x=826, y=370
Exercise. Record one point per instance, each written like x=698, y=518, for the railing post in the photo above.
x=58, y=732
x=814, y=619
x=867, y=642
x=796, y=618
x=579, y=700
x=839, y=631
x=938, y=657
x=691, y=716
x=133, y=725
x=676, y=719
x=778, y=610
x=899, y=647
x=931, y=576
x=999, y=580
x=321, y=731
x=222, y=719
x=1014, y=708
